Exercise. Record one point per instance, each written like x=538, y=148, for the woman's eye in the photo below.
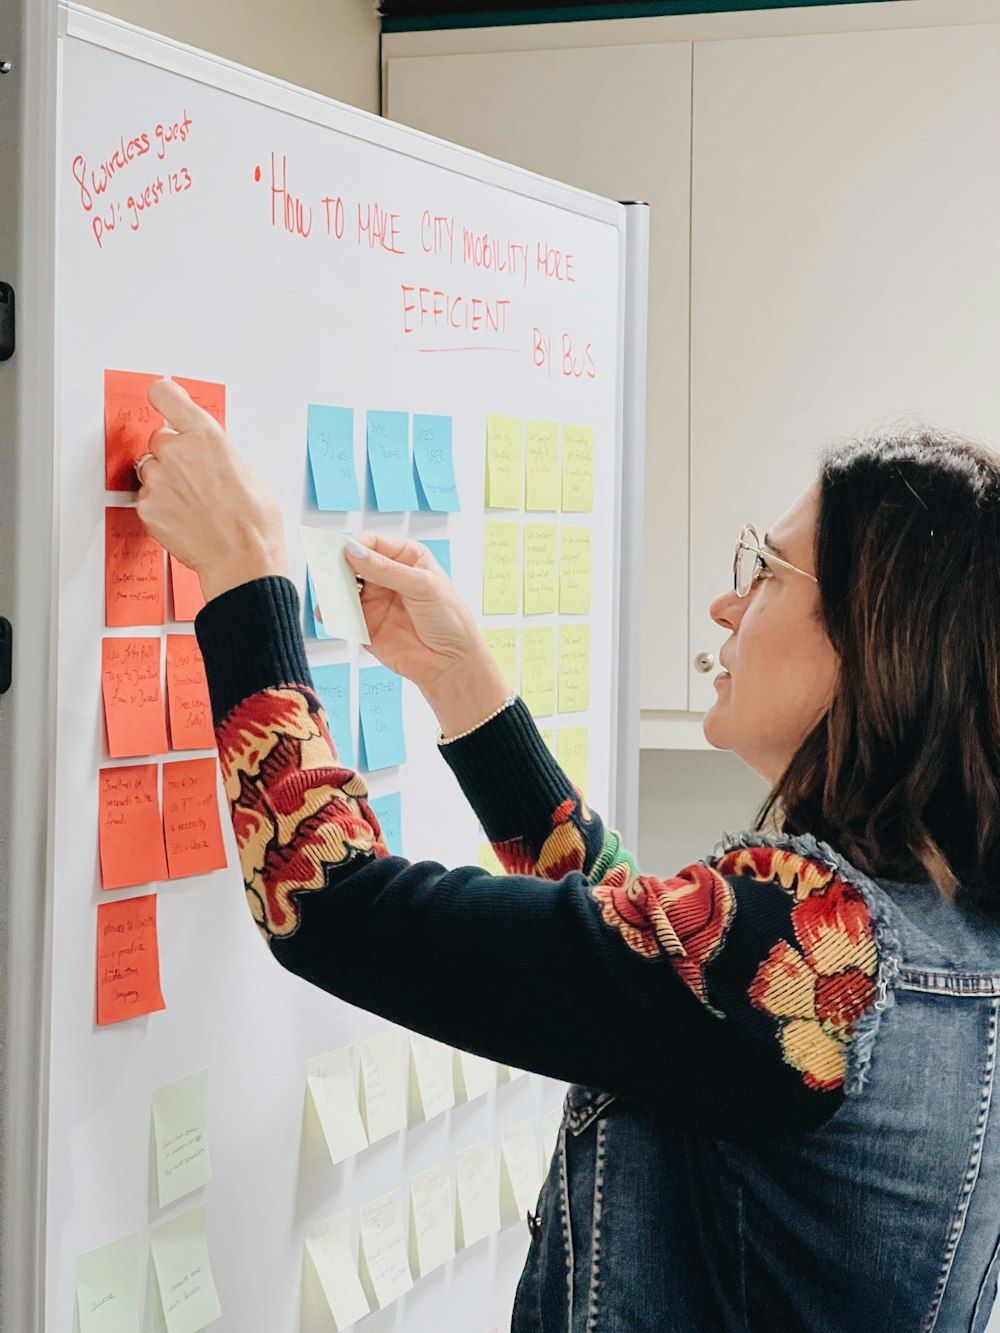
x=762, y=571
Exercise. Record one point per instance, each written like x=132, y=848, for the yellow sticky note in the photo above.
x=574, y=668
x=183, y=1273
x=180, y=1130
x=385, y=1264
x=329, y=1247
x=383, y=1085
x=538, y=669
x=501, y=568
x=503, y=463
x=578, y=469
x=572, y=753
x=478, y=1190
x=432, y=1086
x=520, y=1174
x=574, y=571
x=432, y=1220
x=333, y=580
x=488, y=859
x=474, y=1075
x=330, y=1083
x=107, y=1288
x=539, y=568
x=502, y=643
x=541, y=465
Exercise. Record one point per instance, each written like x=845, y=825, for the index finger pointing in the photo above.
x=176, y=407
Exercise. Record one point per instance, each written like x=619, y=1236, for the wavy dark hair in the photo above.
x=902, y=774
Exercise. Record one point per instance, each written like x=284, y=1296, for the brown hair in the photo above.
x=902, y=774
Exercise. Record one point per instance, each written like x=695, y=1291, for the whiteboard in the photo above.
x=235, y=271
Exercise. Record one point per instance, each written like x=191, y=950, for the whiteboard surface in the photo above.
x=209, y=284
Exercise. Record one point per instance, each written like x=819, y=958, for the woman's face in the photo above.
x=781, y=668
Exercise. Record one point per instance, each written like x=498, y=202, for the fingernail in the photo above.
x=355, y=548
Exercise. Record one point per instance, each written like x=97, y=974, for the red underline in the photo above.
x=518, y=350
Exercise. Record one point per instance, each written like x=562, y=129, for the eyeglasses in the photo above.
x=751, y=560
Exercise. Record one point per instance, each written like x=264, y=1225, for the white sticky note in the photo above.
x=383, y=1085
x=107, y=1288
x=180, y=1131
x=513, y=1073
x=184, y=1274
x=478, y=1193
x=520, y=1173
x=330, y=1081
x=334, y=585
x=432, y=1086
x=551, y=1124
x=474, y=1074
x=329, y=1248
x=384, y=1262
x=432, y=1220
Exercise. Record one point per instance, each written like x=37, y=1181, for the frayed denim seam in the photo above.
x=881, y=910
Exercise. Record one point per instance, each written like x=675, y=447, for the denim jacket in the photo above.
x=885, y=1219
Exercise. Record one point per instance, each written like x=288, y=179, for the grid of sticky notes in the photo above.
x=535, y=568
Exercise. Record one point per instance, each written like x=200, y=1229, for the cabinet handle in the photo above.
x=705, y=661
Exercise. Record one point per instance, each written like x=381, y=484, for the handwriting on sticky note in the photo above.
x=578, y=469
x=503, y=462
x=193, y=833
x=538, y=669
x=433, y=463
x=478, y=1191
x=383, y=1248
x=130, y=827
x=333, y=685
x=572, y=755
x=432, y=1229
x=107, y=1288
x=539, y=568
x=574, y=571
x=128, y=960
x=188, y=1296
x=388, y=812
x=210, y=397
x=185, y=589
x=383, y=1090
x=330, y=1082
x=501, y=568
x=574, y=668
x=383, y=743
x=330, y=437
x=335, y=585
x=502, y=643
x=129, y=421
x=541, y=465
x=180, y=1133
x=433, y=1080
x=389, y=464
x=188, y=704
x=329, y=1247
x=134, y=581
x=133, y=700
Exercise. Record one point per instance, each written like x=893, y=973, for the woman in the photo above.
x=782, y=1057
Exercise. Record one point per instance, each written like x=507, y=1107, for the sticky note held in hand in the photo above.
x=334, y=583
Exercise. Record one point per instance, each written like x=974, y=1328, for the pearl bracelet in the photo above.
x=447, y=740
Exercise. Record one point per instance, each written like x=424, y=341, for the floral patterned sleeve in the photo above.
x=728, y=996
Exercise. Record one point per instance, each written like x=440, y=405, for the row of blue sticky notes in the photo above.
x=383, y=743
x=388, y=812
x=396, y=484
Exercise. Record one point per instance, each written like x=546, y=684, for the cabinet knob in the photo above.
x=705, y=661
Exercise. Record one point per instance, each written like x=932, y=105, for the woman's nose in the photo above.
x=727, y=609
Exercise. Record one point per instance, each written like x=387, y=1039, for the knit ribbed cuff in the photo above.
x=251, y=641
x=508, y=774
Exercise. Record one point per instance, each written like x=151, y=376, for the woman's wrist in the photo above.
x=242, y=568
x=466, y=694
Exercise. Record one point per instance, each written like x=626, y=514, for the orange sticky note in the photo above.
x=212, y=397
x=133, y=700
x=130, y=826
x=188, y=704
x=185, y=588
x=191, y=818
x=129, y=421
x=134, y=578
x=128, y=960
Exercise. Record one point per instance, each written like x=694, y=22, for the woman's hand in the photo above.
x=202, y=502
x=421, y=629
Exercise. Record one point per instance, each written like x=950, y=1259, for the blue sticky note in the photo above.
x=440, y=549
x=314, y=627
x=433, y=465
x=333, y=685
x=387, y=812
x=389, y=467
x=331, y=457
x=382, y=741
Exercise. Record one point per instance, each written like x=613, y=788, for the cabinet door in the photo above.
x=614, y=120
x=845, y=265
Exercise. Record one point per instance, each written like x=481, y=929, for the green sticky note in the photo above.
x=440, y=549
x=382, y=741
x=538, y=669
x=180, y=1133
x=501, y=568
x=539, y=568
x=578, y=469
x=333, y=685
x=388, y=812
x=574, y=668
x=330, y=433
x=572, y=752
x=433, y=464
x=503, y=463
x=502, y=643
x=389, y=467
x=334, y=583
x=541, y=465
x=107, y=1288
x=574, y=571
x=184, y=1274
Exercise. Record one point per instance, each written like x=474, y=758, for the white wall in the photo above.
x=687, y=800
x=330, y=46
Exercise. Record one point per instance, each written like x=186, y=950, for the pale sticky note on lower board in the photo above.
x=520, y=1175
x=385, y=1265
x=478, y=1193
x=184, y=1274
x=551, y=1122
x=329, y=1248
x=180, y=1131
x=383, y=1085
x=432, y=1220
x=333, y=581
x=474, y=1075
x=107, y=1288
x=330, y=1081
x=433, y=1082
